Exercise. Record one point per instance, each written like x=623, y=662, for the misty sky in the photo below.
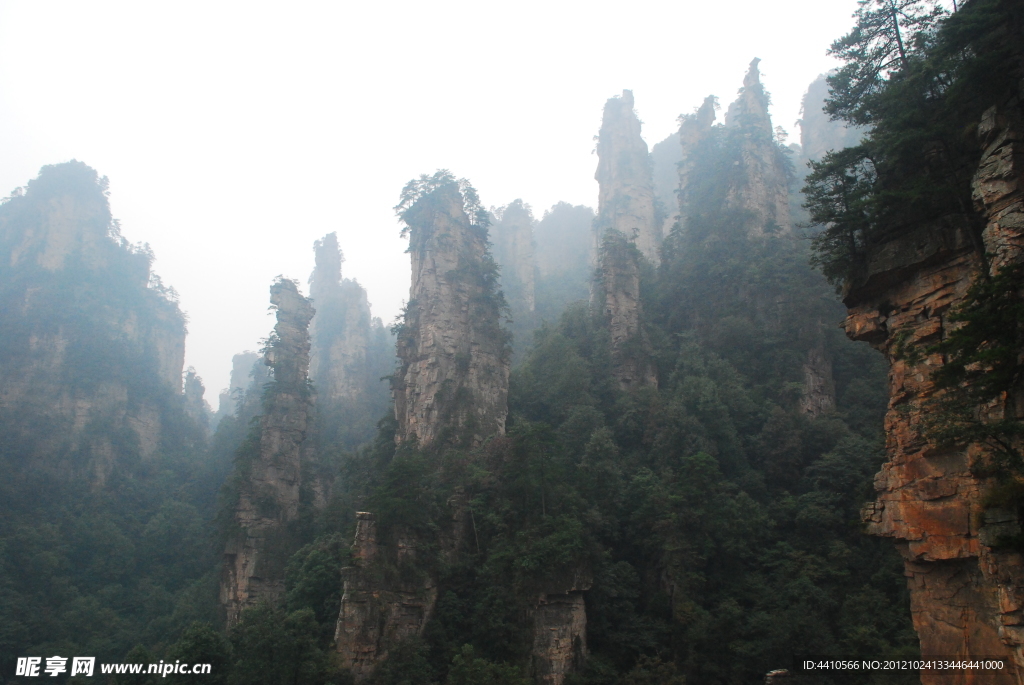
x=235, y=134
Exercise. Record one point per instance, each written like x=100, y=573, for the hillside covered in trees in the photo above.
x=669, y=439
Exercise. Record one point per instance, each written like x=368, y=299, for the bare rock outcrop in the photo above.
x=267, y=508
x=560, y=629
x=626, y=234
x=819, y=392
x=762, y=192
x=452, y=385
x=626, y=195
x=967, y=592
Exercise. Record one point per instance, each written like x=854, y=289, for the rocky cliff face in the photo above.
x=351, y=351
x=967, y=593
x=625, y=226
x=819, y=391
x=196, y=406
x=245, y=377
x=267, y=508
x=565, y=259
x=376, y=616
x=626, y=196
x=93, y=344
x=512, y=243
x=693, y=130
x=560, y=629
x=512, y=239
x=818, y=134
x=341, y=329
x=617, y=298
x=452, y=385
x=762, y=190
x=665, y=158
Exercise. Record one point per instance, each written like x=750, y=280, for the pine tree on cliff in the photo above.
x=919, y=81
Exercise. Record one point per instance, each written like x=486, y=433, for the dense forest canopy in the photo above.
x=538, y=517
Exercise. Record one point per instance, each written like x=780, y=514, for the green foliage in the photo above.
x=201, y=644
x=406, y=665
x=983, y=366
x=920, y=79
x=272, y=647
x=887, y=34
x=469, y=669
x=138, y=655
x=313, y=578
x=442, y=180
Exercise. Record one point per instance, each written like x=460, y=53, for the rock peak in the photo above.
x=267, y=509
x=626, y=196
x=452, y=385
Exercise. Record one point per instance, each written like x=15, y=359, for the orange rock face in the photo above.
x=966, y=595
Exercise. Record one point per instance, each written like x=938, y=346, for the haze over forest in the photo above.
x=236, y=134
x=554, y=349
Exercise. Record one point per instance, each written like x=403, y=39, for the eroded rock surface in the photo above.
x=626, y=196
x=560, y=630
x=268, y=499
x=453, y=381
x=967, y=595
x=762, y=191
x=375, y=615
x=617, y=297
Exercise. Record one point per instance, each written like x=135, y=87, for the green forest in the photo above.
x=708, y=515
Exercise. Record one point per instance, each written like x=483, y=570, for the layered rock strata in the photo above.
x=626, y=195
x=762, y=192
x=452, y=385
x=967, y=592
x=267, y=508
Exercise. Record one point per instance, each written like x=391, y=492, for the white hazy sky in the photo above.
x=235, y=134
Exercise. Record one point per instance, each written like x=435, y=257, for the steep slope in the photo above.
x=89, y=342
x=512, y=241
x=452, y=384
x=966, y=583
x=350, y=353
x=100, y=449
x=762, y=190
x=269, y=468
x=626, y=195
